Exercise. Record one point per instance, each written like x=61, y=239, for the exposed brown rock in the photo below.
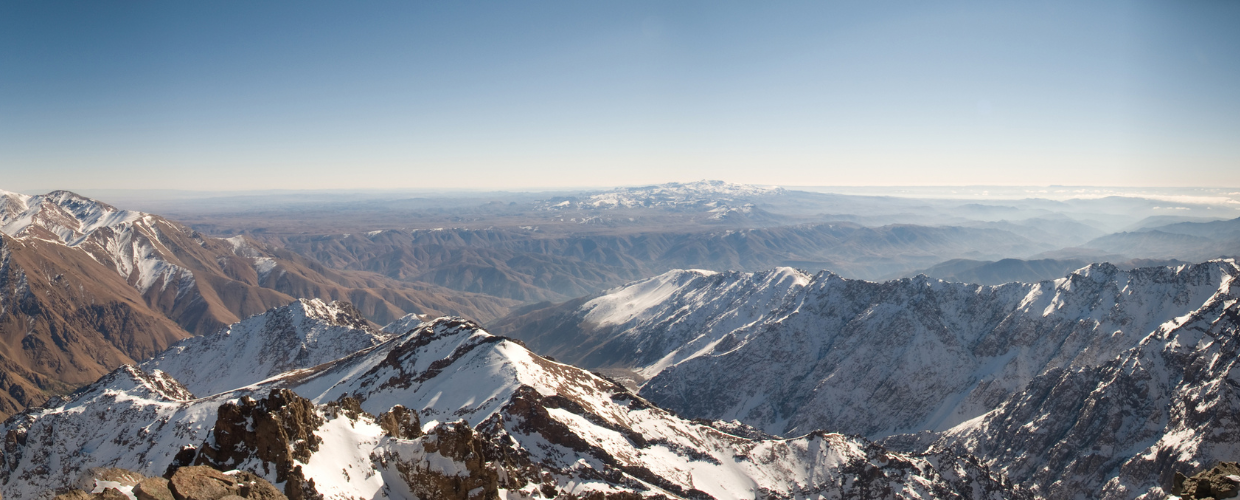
x=350, y=407
x=204, y=483
x=111, y=494
x=153, y=488
x=457, y=442
x=65, y=321
x=74, y=495
x=199, y=483
x=68, y=316
x=283, y=426
x=401, y=423
x=1216, y=482
x=253, y=487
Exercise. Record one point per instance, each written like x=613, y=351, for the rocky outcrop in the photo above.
x=401, y=423
x=1220, y=481
x=471, y=477
x=277, y=430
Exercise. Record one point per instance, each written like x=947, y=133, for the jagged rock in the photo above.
x=1221, y=481
x=401, y=423
x=74, y=495
x=153, y=488
x=204, y=483
x=459, y=443
x=278, y=430
x=352, y=408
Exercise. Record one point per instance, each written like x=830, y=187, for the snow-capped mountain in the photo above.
x=405, y=323
x=1125, y=427
x=705, y=194
x=201, y=282
x=86, y=287
x=303, y=334
x=489, y=419
x=787, y=352
x=125, y=241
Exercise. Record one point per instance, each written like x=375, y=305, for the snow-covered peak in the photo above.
x=305, y=333
x=707, y=194
x=405, y=323
x=61, y=216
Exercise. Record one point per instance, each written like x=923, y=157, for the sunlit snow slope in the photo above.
x=790, y=352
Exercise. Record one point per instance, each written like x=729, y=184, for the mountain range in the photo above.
x=1097, y=382
x=444, y=410
x=85, y=287
x=676, y=340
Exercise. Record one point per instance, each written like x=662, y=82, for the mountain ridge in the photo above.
x=972, y=368
x=545, y=429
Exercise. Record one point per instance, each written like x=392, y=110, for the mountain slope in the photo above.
x=1103, y=379
x=65, y=321
x=1123, y=428
x=303, y=334
x=86, y=287
x=206, y=283
x=1155, y=243
x=860, y=357
x=530, y=426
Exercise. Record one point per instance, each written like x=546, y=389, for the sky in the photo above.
x=244, y=95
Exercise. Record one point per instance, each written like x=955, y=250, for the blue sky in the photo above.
x=314, y=95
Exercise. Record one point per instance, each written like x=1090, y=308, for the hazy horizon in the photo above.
x=162, y=199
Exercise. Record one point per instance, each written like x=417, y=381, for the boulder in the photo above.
x=204, y=483
x=153, y=488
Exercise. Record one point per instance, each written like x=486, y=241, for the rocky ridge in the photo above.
x=492, y=419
